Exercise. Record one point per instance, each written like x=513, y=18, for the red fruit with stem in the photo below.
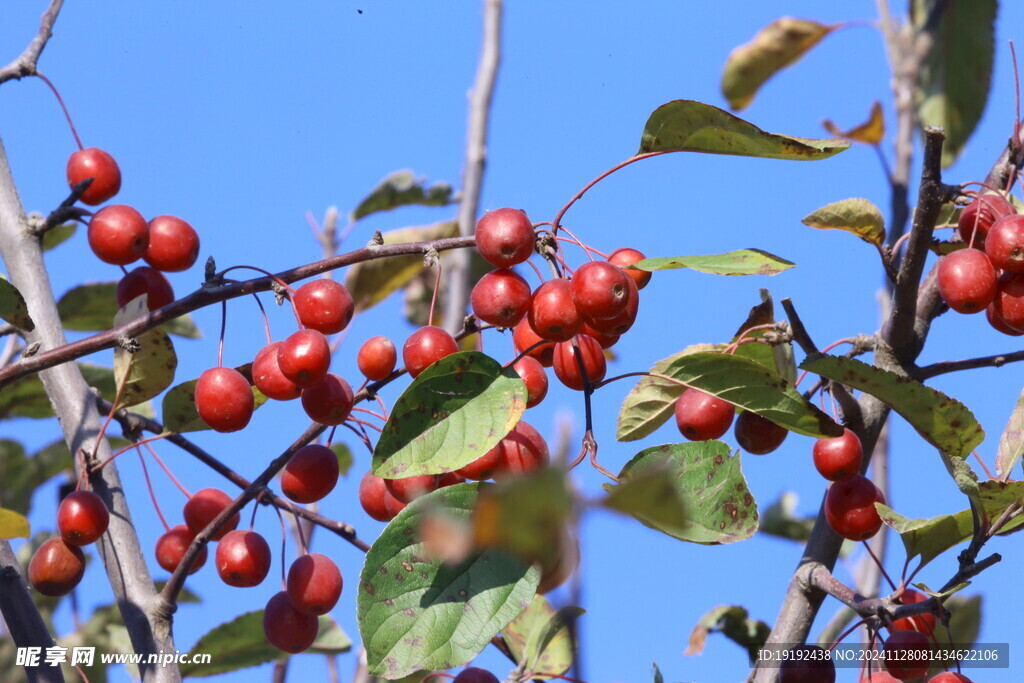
x=377, y=358
x=372, y=492
x=553, y=315
x=600, y=290
x=173, y=244
x=758, y=435
x=409, y=489
x=324, y=305
x=148, y=281
x=567, y=365
x=56, y=567
x=536, y=380
x=505, y=237
x=82, y=518
x=482, y=468
x=311, y=473
x=1009, y=302
x=524, y=337
x=118, y=234
x=392, y=505
x=807, y=664
x=980, y=214
x=203, y=507
x=314, y=584
x=93, y=162
x=522, y=450
x=243, y=558
x=268, y=378
x=839, y=458
x=907, y=655
x=967, y=280
x=224, y=399
x=286, y=628
x=702, y=417
x=475, y=674
x=626, y=257
x=501, y=298
x=304, y=357
x=426, y=346
x=172, y=546
x=922, y=623
x=850, y=508
x=621, y=323
x=997, y=322
x=605, y=340
x=329, y=401
x=1005, y=244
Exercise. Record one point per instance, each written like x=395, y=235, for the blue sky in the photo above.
x=240, y=118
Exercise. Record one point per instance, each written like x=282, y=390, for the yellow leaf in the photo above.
x=870, y=132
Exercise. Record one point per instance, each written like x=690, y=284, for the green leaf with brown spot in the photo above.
x=857, y=216
x=148, y=369
x=454, y=412
x=778, y=45
x=652, y=497
x=178, y=408
x=735, y=623
x=13, y=525
x=689, y=126
x=419, y=613
x=1011, y=443
x=13, y=308
x=930, y=537
x=370, y=282
x=739, y=262
x=944, y=422
x=709, y=483
x=402, y=188
x=539, y=637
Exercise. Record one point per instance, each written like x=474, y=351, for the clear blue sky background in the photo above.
x=241, y=117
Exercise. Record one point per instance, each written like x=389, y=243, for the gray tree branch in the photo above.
x=25, y=63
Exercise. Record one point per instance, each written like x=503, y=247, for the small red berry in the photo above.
x=532, y=373
x=600, y=290
x=626, y=257
x=620, y=324
x=372, y=491
x=311, y=473
x=475, y=675
x=56, y=567
x=224, y=399
x=523, y=338
x=324, y=305
x=268, y=378
x=702, y=417
x=304, y=357
x=522, y=450
x=203, y=507
x=329, y=401
x=850, y=508
x=553, y=314
x=409, y=489
x=314, y=584
x=172, y=546
x=93, y=162
x=118, y=234
x=1005, y=244
x=967, y=280
x=907, y=655
x=482, y=468
x=173, y=244
x=148, y=281
x=980, y=214
x=605, y=340
x=838, y=458
x=426, y=346
x=567, y=366
x=501, y=298
x=286, y=628
x=377, y=358
x=243, y=558
x=505, y=237
x=923, y=623
x=758, y=435
x=1009, y=301
x=82, y=518
x=997, y=322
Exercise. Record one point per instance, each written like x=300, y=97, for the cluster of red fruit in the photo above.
x=988, y=275
x=850, y=501
x=702, y=417
x=58, y=564
x=118, y=234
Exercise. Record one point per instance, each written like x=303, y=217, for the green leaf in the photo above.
x=931, y=537
x=779, y=519
x=996, y=496
x=857, y=216
x=240, y=643
x=183, y=326
x=146, y=371
x=454, y=412
x=57, y=235
x=736, y=624
x=652, y=497
x=370, y=282
x=13, y=308
x=402, y=188
x=13, y=525
x=344, y=457
x=954, y=78
x=688, y=126
x=1011, y=443
x=92, y=307
x=778, y=45
x=708, y=480
x=739, y=262
x=530, y=629
x=944, y=422
x=26, y=397
x=418, y=613
x=179, y=405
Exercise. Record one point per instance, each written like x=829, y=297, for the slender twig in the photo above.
x=943, y=367
x=475, y=162
x=25, y=64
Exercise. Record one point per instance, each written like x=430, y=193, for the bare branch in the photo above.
x=25, y=64
x=476, y=161
x=23, y=620
x=944, y=367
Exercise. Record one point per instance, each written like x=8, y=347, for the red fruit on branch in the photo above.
x=286, y=628
x=702, y=417
x=532, y=373
x=82, y=518
x=979, y=215
x=839, y=458
x=524, y=337
x=850, y=508
x=967, y=280
x=304, y=357
x=758, y=435
x=482, y=468
x=1004, y=244
x=922, y=623
x=1008, y=305
x=173, y=244
x=475, y=675
x=203, y=507
x=626, y=257
x=621, y=323
x=522, y=450
x=426, y=346
x=553, y=315
x=567, y=365
x=224, y=399
x=324, y=305
x=172, y=546
x=148, y=281
x=118, y=234
x=505, y=237
x=377, y=358
x=329, y=401
x=372, y=494
x=997, y=322
x=310, y=474
x=268, y=378
x=56, y=567
x=501, y=298
x=243, y=558
x=907, y=655
x=314, y=584
x=93, y=162
x=408, y=489
x=600, y=290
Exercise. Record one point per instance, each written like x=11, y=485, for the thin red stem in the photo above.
x=371, y=412
x=223, y=329
x=433, y=297
x=128, y=448
x=880, y=567
x=167, y=470
x=356, y=420
x=152, y=493
x=981, y=462
x=67, y=115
